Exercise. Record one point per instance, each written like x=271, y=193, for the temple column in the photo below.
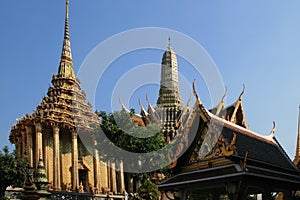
x=96, y=167
x=113, y=177
x=172, y=114
x=24, y=141
x=38, y=143
x=45, y=158
x=56, y=160
x=75, y=175
x=122, y=181
x=29, y=145
x=108, y=174
x=129, y=183
x=167, y=114
x=18, y=143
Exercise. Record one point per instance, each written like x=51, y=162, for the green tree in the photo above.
x=120, y=130
x=124, y=133
x=12, y=170
x=148, y=191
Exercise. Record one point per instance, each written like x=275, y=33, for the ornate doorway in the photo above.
x=83, y=178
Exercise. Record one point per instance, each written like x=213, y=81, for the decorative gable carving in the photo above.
x=212, y=145
x=222, y=148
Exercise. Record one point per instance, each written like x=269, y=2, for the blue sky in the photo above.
x=252, y=42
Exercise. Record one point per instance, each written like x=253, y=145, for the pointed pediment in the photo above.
x=238, y=115
x=219, y=141
x=233, y=113
x=212, y=145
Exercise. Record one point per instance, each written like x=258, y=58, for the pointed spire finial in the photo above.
x=121, y=102
x=67, y=19
x=169, y=44
x=221, y=104
x=67, y=8
x=273, y=129
x=66, y=69
x=140, y=103
x=67, y=33
x=226, y=90
x=147, y=99
x=40, y=179
x=123, y=105
x=243, y=91
x=195, y=93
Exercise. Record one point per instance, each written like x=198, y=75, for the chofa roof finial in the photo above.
x=226, y=90
x=273, y=129
x=243, y=91
x=195, y=93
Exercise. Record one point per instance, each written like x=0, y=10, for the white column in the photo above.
x=23, y=141
x=130, y=183
x=96, y=167
x=108, y=174
x=38, y=143
x=18, y=143
x=113, y=177
x=56, y=160
x=29, y=145
x=75, y=175
x=45, y=158
x=122, y=181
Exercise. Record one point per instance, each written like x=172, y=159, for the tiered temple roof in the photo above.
x=218, y=153
x=65, y=102
x=55, y=129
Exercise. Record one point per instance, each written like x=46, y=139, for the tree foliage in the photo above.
x=148, y=191
x=12, y=170
x=124, y=133
x=120, y=130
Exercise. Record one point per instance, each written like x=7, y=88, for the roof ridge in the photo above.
x=242, y=129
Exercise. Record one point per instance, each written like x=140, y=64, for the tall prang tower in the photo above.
x=169, y=104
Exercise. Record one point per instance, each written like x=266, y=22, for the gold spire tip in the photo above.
x=169, y=44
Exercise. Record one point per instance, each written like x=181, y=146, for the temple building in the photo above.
x=55, y=132
x=168, y=111
x=215, y=155
x=169, y=104
x=223, y=159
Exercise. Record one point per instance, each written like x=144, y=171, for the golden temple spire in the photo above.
x=66, y=69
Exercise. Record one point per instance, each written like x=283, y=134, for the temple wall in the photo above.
x=88, y=161
x=65, y=164
x=66, y=158
x=50, y=159
x=103, y=175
